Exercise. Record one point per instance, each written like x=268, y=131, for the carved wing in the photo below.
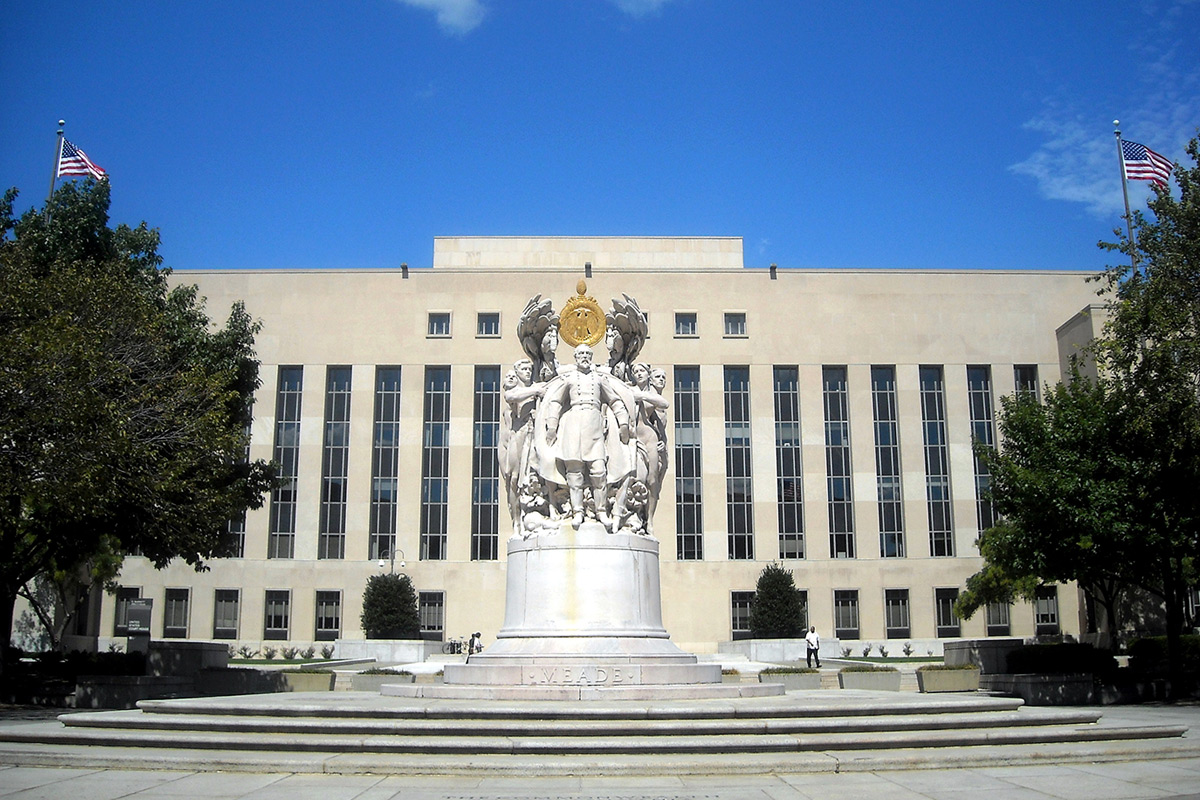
x=536, y=319
x=630, y=324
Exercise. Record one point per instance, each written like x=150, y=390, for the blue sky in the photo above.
x=318, y=134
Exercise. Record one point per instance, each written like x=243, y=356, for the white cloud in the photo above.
x=453, y=16
x=640, y=8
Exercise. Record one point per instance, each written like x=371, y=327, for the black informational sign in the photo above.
x=139, y=616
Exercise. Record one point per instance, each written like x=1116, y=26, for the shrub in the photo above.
x=1149, y=655
x=882, y=651
x=268, y=652
x=327, y=651
x=1061, y=659
x=390, y=608
x=867, y=650
x=308, y=652
x=777, y=611
x=246, y=651
x=789, y=671
x=907, y=649
x=940, y=667
x=289, y=653
x=383, y=671
x=867, y=668
x=845, y=652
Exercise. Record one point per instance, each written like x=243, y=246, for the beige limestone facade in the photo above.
x=816, y=340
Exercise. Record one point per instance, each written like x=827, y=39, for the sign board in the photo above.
x=139, y=616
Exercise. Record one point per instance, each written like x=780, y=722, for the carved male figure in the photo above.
x=575, y=428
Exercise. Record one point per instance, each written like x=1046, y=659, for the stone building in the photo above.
x=821, y=419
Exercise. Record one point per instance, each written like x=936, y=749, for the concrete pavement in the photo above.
x=1120, y=781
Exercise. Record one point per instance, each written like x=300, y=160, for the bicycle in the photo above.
x=455, y=646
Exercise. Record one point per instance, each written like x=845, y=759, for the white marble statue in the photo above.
x=582, y=442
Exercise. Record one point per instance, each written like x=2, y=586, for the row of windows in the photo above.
x=839, y=471
x=277, y=614
x=897, y=618
x=487, y=324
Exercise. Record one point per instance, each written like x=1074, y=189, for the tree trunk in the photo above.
x=8, y=603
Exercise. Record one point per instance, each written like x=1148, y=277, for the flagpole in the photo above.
x=57, y=160
x=1125, y=192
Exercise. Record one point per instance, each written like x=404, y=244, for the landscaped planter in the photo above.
x=308, y=681
x=360, y=682
x=947, y=680
x=880, y=680
x=792, y=681
x=1044, y=690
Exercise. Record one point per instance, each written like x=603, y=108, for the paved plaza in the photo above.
x=887, y=778
x=1112, y=781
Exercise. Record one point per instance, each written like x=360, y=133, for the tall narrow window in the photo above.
x=281, y=540
x=1025, y=376
x=237, y=525
x=947, y=620
x=685, y=323
x=895, y=613
x=485, y=466
x=739, y=614
x=845, y=613
x=225, y=613
x=887, y=462
x=125, y=595
x=431, y=608
x=175, y=613
x=983, y=431
x=435, y=463
x=735, y=323
x=937, y=462
x=329, y=616
x=837, y=462
x=1045, y=610
x=331, y=540
x=788, y=468
x=385, y=462
x=689, y=525
x=277, y=614
x=739, y=490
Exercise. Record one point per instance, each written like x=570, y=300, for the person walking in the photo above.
x=814, y=646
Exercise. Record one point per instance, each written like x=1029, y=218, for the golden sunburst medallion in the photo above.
x=581, y=320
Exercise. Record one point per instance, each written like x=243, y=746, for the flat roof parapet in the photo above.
x=606, y=253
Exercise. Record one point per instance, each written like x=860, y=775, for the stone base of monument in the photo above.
x=583, y=618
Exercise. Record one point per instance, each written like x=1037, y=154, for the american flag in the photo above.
x=1143, y=164
x=73, y=161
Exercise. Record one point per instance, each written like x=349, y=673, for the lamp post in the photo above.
x=391, y=557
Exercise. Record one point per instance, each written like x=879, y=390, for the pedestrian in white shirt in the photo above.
x=814, y=646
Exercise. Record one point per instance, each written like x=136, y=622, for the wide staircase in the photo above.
x=800, y=731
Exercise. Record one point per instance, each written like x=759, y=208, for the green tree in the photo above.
x=1063, y=485
x=124, y=413
x=1150, y=354
x=390, y=608
x=777, y=611
x=1099, y=484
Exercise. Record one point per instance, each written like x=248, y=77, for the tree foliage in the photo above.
x=390, y=608
x=1101, y=483
x=777, y=611
x=123, y=413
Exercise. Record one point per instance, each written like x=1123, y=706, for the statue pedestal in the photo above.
x=583, y=609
